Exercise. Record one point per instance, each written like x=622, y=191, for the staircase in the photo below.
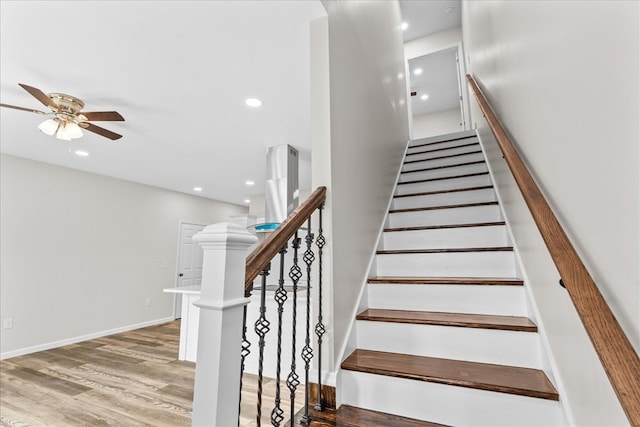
x=448, y=336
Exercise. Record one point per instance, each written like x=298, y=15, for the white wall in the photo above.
x=433, y=43
x=82, y=252
x=569, y=96
x=359, y=134
x=438, y=123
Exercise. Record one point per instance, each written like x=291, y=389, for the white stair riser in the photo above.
x=464, y=237
x=479, y=299
x=444, y=184
x=447, y=404
x=441, y=199
x=441, y=162
x=474, y=344
x=426, y=154
x=466, y=264
x=437, y=173
x=417, y=147
x=464, y=215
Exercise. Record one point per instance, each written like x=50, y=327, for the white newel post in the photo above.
x=217, y=381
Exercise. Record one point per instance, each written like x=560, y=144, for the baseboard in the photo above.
x=60, y=343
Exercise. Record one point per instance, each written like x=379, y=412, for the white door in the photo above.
x=189, y=262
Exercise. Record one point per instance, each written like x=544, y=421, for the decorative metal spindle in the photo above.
x=307, y=351
x=262, y=327
x=280, y=297
x=320, y=330
x=293, y=381
x=245, y=348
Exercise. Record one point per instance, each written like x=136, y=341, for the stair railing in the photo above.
x=223, y=344
x=617, y=355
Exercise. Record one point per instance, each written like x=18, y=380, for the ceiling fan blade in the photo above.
x=31, y=110
x=103, y=116
x=40, y=96
x=100, y=131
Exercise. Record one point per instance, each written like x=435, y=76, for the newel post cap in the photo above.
x=225, y=235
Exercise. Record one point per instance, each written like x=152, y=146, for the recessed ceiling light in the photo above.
x=249, y=182
x=81, y=153
x=247, y=200
x=425, y=96
x=448, y=10
x=198, y=189
x=417, y=71
x=404, y=26
x=253, y=102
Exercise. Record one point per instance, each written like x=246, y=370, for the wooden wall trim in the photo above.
x=617, y=355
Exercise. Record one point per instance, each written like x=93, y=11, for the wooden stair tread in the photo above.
x=408, y=280
x=477, y=162
x=351, y=416
x=433, y=208
x=482, y=376
x=443, y=141
x=454, y=190
x=443, y=157
x=437, y=227
x=443, y=178
x=444, y=148
x=444, y=250
x=467, y=320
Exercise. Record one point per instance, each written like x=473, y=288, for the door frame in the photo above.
x=176, y=299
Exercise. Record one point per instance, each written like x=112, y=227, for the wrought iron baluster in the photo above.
x=293, y=381
x=280, y=297
x=307, y=351
x=261, y=328
x=245, y=348
x=320, y=329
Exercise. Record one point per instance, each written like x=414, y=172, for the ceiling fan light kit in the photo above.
x=69, y=119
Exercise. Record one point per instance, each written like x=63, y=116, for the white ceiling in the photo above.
x=439, y=77
x=425, y=17
x=178, y=71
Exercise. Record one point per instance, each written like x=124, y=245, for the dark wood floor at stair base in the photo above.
x=351, y=416
x=409, y=280
x=466, y=320
x=482, y=376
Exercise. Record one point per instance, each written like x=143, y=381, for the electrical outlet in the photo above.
x=147, y=302
x=7, y=323
x=164, y=264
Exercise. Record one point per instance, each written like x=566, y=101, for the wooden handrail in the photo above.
x=269, y=247
x=617, y=355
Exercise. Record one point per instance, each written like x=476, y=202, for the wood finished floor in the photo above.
x=127, y=379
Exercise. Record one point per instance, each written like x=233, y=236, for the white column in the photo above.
x=217, y=382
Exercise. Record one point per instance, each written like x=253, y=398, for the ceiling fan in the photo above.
x=69, y=120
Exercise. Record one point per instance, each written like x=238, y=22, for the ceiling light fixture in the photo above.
x=64, y=129
x=417, y=71
x=247, y=200
x=404, y=26
x=253, y=102
x=425, y=96
x=198, y=189
x=249, y=182
x=81, y=153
